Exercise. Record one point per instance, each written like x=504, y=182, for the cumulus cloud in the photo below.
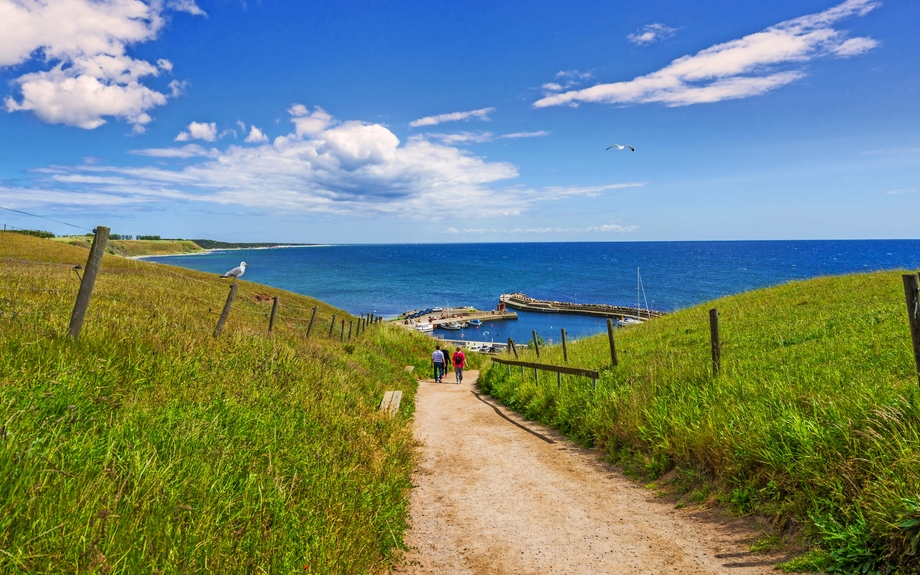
x=606, y=228
x=199, y=131
x=482, y=114
x=349, y=168
x=255, y=136
x=650, y=34
x=749, y=66
x=83, y=44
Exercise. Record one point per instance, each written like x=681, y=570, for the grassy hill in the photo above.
x=133, y=248
x=149, y=446
x=813, y=422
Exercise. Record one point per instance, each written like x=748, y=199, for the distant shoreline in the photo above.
x=205, y=252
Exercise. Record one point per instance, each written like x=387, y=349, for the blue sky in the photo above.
x=462, y=122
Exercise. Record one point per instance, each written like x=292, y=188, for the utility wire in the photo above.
x=44, y=218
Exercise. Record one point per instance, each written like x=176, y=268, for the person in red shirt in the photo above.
x=459, y=361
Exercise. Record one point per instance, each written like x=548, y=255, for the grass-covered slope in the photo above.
x=149, y=446
x=133, y=248
x=814, y=420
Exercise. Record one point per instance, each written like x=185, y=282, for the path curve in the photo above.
x=499, y=495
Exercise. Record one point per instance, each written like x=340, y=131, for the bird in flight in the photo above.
x=235, y=272
x=621, y=147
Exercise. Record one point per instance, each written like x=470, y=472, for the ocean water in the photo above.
x=389, y=279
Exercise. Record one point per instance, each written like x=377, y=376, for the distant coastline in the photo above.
x=206, y=251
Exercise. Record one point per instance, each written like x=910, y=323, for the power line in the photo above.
x=44, y=218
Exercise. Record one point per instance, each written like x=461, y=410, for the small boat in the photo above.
x=631, y=321
x=476, y=322
x=424, y=327
x=451, y=325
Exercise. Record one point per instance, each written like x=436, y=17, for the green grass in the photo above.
x=132, y=248
x=813, y=422
x=148, y=446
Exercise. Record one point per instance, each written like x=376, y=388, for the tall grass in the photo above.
x=148, y=446
x=814, y=420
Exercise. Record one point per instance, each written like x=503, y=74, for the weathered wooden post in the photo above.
x=332, y=325
x=565, y=350
x=912, y=295
x=349, y=329
x=226, y=313
x=312, y=319
x=716, y=343
x=613, y=347
x=342, y=335
x=88, y=281
x=271, y=321
x=536, y=345
x=511, y=347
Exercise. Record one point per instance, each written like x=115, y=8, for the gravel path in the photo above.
x=498, y=495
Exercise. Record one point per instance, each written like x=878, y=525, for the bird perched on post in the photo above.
x=621, y=147
x=235, y=272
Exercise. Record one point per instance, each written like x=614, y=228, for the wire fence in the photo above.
x=42, y=278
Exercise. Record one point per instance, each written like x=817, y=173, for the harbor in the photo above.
x=523, y=302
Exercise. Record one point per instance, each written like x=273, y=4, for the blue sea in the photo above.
x=390, y=279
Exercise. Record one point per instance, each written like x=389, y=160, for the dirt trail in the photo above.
x=497, y=495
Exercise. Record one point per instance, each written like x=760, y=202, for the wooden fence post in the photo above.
x=512, y=347
x=226, y=313
x=89, y=280
x=350, y=322
x=536, y=345
x=271, y=321
x=912, y=295
x=312, y=319
x=565, y=350
x=613, y=347
x=342, y=335
x=332, y=325
x=716, y=343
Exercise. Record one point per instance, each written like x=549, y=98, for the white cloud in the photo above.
x=902, y=191
x=740, y=68
x=307, y=122
x=482, y=114
x=650, y=34
x=525, y=134
x=349, y=168
x=255, y=136
x=83, y=42
x=462, y=137
x=187, y=151
x=606, y=228
x=573, y=75
x=475, y=137
x=199, y=131
x=186, y=6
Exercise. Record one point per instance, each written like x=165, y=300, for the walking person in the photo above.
x=459, y=364
x=439, y=359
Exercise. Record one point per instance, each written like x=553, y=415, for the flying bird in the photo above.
x=235, y=272
x=621, y=147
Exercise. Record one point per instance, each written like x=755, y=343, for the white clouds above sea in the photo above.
x=605, y=228
x=749, y=66
x=324, y=166
x=88, y=75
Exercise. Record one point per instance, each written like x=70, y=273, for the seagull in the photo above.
x=235, y=272
x=621, y=147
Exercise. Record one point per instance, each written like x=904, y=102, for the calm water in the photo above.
x=389, y=279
